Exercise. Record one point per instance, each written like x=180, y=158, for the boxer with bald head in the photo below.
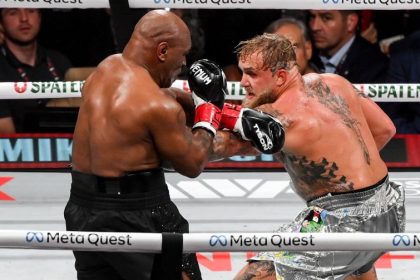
x=127, y=127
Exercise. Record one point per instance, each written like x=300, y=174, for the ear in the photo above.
x=281, y=77
x=352, y=21
x=162, y=51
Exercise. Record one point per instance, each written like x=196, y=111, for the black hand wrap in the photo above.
x=265, y=132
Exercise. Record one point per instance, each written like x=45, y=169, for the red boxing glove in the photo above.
x=207, y=116
x=230, y=115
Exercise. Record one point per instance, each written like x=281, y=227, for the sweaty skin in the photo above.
x=329, y=146
x=333, y=132
x=126, y=121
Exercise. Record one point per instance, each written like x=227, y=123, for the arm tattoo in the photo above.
x=338, y=105
x=227, y=144
x=268, y=108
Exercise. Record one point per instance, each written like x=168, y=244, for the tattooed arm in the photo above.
x=227, y=144
x=381, y=126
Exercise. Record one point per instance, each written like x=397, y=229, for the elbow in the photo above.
x=385, y=135
x=391, y=130
x=193, y=172
x=194, y=169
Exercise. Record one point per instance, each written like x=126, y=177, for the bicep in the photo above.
x=381, y=126
x=171, y=136
x=376, y=118
x=187, y=151
x=185, y=100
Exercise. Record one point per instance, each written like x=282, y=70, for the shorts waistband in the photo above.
x=132, y=182
x=136, y=190
x=333, y=201
x=119, y=202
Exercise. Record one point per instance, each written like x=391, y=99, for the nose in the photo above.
x=23, y=14
x=244, y=81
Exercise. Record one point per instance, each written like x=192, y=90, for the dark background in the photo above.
x=87, y=36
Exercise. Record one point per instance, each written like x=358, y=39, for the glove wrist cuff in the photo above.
x=208, y=116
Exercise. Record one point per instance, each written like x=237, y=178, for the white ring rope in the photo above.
x=27, y=90
x=222, y=4
x=279, y=4
x=209, y=242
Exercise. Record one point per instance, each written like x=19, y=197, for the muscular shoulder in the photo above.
x=327, y=84
x=164, y=102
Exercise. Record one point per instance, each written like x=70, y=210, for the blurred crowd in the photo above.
x=363, y=46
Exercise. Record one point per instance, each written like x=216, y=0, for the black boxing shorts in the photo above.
x=136, y=202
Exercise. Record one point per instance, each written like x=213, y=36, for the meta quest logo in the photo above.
x=403, y=240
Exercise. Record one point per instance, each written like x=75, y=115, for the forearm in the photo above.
x=227, y=144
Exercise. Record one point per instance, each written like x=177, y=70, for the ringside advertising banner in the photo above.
x=62, y=4
x=26, y=90
x=279, y=4
x=35, y=151
x=53, y=150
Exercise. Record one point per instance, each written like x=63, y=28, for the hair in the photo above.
x=272, y=27
x=276, y=50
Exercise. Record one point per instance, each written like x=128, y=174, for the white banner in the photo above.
x=56, y=4
x=38, y=90
x=209, y=242
x=223, y=4
x=279, y=4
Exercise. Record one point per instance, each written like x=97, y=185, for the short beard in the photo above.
x=264, y=98
x=19, y=42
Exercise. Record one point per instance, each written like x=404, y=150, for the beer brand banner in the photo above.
x=26, y=90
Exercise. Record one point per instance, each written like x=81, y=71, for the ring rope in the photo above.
x=27, y=90
x=223, y=4
x=209, y=242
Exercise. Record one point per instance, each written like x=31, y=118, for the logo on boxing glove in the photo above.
x=200, y=74
x=264, y=139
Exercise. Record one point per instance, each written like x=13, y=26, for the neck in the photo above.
x=24, y=53
x=294, y=81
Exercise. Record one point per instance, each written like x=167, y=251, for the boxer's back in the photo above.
x=111, y=134
x=329, y=141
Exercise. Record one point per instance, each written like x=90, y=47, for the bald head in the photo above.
x=160, y=25
x=160, y=43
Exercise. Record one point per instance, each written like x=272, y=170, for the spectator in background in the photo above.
x=23, y=59
x=297, y=32
x=405, y=68
x=342, y=50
